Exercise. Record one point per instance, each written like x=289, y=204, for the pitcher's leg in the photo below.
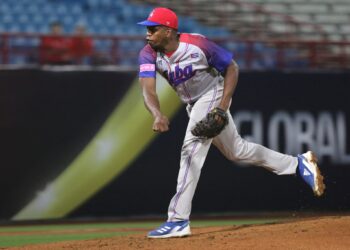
x=231, y=144
x=193, y=154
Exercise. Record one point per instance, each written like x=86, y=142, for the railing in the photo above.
x=250, y=54
x=293, y=54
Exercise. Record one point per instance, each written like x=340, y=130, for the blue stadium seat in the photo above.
x=43, y=28
x=186, y=24
x=117, y=30
x=75, y=9
x=127, y=13
x=102, y=45
x=23, y=18
x=4, y=8
x=61, y=9
x=14, y=28
x=67, y=20
x=102, y=30
x=106, y=3
x=47, y=9
x=33, y=9
x=52, y=18
x=128, y=62
x=101, y=17
x=93, y=3
x=7, y=18
x=38, y=18
x=25, y=2
x=111, y=20
x=33, y=42
x=20, y=41
x=18, y=9
x=29, y=28
x=133, y=30
x=18, y=59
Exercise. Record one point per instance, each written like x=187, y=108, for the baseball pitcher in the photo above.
x=204, y=76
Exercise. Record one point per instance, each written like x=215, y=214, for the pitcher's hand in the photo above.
x=160, y=124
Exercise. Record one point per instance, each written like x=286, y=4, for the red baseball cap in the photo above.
x=161, y=16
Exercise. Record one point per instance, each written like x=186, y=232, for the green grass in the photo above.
x=81, y=231
x=21, y=240
x=82, y=226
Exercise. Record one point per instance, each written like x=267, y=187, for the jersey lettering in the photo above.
x=189, y=69
x=180, y=75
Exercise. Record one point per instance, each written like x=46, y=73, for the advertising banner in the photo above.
x=80, y=144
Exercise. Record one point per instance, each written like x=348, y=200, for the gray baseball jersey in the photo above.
x=192, y=70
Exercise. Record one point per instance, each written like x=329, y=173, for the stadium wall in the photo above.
x=50, y=117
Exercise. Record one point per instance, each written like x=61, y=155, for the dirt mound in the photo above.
x=315, y=233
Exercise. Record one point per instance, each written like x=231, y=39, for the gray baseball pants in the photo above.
x=230, y=144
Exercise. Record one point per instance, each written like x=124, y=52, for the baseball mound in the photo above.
x=331, y=232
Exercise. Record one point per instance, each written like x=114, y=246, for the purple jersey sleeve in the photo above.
x=147, y=62
x=217, y=56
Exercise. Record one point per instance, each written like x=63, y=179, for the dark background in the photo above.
x=47, y=118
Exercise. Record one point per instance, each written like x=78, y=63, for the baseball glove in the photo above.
x=211, y=125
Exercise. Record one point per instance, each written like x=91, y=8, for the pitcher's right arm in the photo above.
x=151, y=100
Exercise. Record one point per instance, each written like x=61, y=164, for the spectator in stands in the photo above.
x=55, y=49
x=81, y=46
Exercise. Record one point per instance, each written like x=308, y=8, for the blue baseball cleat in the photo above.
x=309, y=171
x=171, y=229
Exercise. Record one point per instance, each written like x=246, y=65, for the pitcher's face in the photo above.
x=157, y=37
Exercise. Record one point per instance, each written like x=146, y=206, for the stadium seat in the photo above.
x=4, y=8
x=33, y=9
x=101, y=17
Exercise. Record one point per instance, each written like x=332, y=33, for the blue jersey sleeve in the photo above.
x=147, y=62
x=217, y=56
